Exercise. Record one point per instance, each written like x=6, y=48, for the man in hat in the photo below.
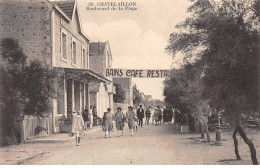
x=85, y=116
x=140, y=115
x=119, y=117
x=160, y=114
x=147, y=115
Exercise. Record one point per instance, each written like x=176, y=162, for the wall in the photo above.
x=126, y=84
x=30, y=24
x=95, y=63
x=71, y=29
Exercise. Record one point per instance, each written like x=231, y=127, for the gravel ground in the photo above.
x=151, y=145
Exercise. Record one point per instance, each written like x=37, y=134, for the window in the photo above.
x=64, y=46
x=83, y=58
x=74, y=52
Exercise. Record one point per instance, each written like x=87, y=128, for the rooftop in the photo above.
x=66, y=6
x=97, y=48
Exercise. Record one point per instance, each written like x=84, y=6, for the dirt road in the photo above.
x=161, y=145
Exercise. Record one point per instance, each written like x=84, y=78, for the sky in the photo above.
x=137, y=38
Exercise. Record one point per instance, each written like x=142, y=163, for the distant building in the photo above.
x=148, y=101
x=126, y=84
x=100, y=58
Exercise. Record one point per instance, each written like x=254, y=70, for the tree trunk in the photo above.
x=236, y=144
x=249, y=143
x=207, y=130
x=202, y=129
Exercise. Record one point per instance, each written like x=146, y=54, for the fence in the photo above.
x=30, y=122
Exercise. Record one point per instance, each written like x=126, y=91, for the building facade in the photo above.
x=52, y=33
x=100, y=58
x=126, y=85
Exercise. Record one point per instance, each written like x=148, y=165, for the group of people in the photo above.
x=164, y=116
x=120, y=118
x=132, y=118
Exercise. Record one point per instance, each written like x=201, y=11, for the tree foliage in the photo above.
x=13, y=62
x=222, y=37
x=137, y=95
x=38, y=88
x=25, y=89
x=119, y=97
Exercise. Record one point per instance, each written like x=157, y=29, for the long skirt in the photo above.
x=120, y=125
x=108, y=127
x=156, y=118
x=131, y=124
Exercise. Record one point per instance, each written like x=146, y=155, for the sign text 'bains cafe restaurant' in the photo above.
x=51, y=32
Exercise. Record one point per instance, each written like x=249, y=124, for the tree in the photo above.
x=38, y=88
x=25, y=89
x=183, y=90
x=137, y=95
x=223, y=38
x=119, y=97
x=12, y=102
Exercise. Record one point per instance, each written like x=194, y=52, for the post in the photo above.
x=22, y=128
x=65, y=96
x=218, y=133
x=73, y=96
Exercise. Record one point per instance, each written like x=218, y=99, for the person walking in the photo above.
x=77, y=127
x=131, y=119
x=140, y=115
x=170, y=115
x=147, y=115
x=85, y=116
x=165, y=115
x=108, y=123
x=159, y=114
x=91, y=119
x=156, y=116
x=120, y=119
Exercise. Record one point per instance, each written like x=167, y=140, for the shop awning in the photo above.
x=84, y=75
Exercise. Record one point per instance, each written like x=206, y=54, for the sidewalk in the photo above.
x=59, y=137
x=21, y=154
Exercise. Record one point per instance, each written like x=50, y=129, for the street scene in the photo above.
x=150, y=145
x=169, y=82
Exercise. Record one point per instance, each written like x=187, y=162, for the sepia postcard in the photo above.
x=129, y=82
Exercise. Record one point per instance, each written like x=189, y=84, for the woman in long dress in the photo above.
x=156, y=116
x=91, y=119
x=119, y=117
x=108, y=123
x=77, y=127
x=131, y=118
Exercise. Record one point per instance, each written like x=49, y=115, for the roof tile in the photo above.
x=66, y=6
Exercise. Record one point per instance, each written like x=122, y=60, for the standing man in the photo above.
x=91, y=116
x=85, y=116
x=140, y=115
x=165, y=115
x=147, y=115
x=170, y=115
x=159, y=114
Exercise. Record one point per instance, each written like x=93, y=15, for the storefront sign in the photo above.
x=138, y=73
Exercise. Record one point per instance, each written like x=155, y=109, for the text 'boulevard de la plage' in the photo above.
x=105, y=6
